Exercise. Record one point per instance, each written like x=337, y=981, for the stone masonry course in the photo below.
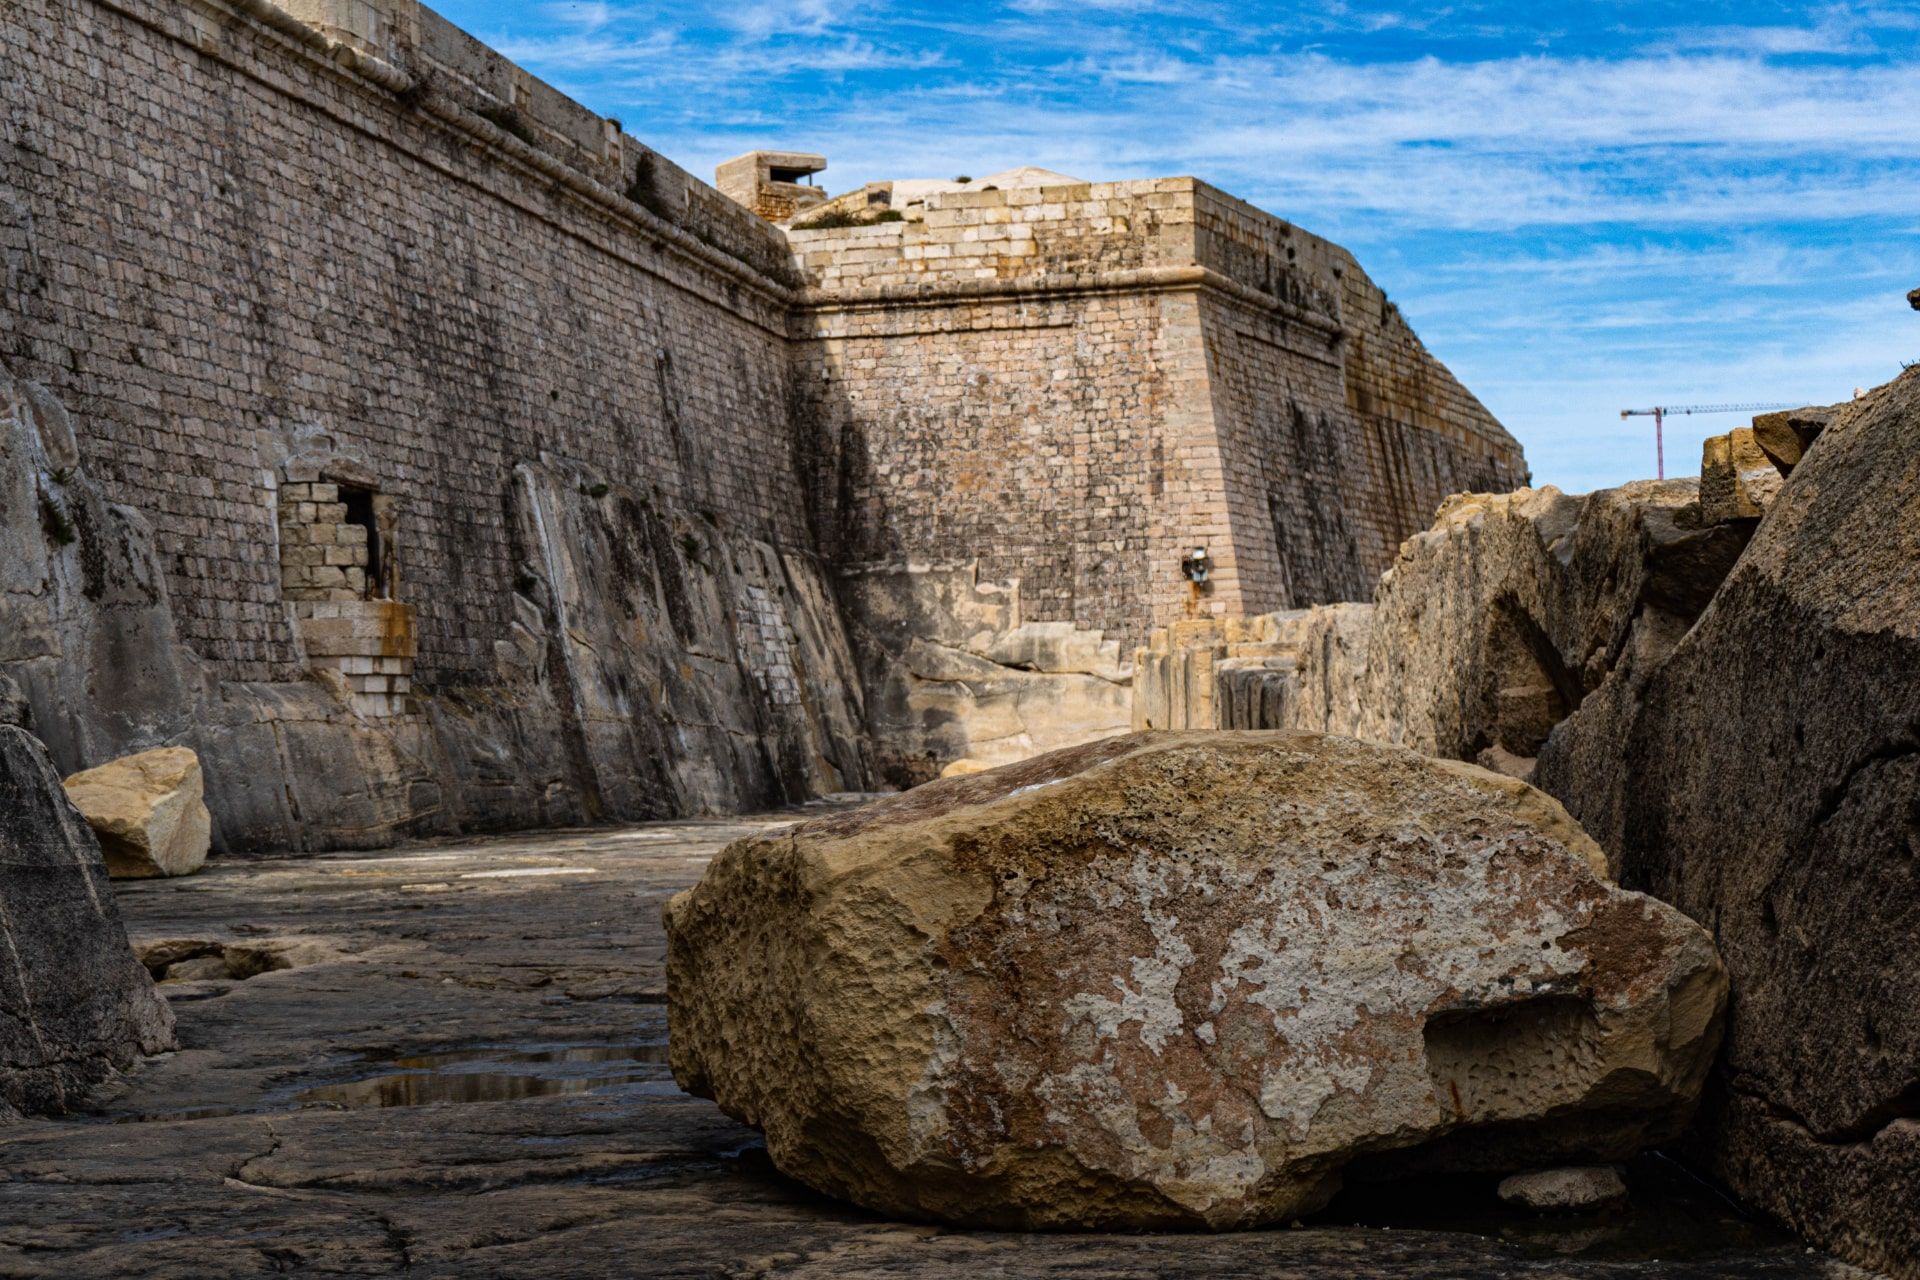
x=629, y=442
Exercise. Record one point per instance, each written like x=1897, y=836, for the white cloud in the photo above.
x=584, y=15
x=765, y=18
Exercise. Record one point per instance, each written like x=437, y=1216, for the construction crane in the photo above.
x=1659, y=415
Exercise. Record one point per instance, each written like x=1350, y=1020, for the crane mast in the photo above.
x=1659, y=415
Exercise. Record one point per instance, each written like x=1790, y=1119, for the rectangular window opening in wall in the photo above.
x=362, y=510
x=339, y=576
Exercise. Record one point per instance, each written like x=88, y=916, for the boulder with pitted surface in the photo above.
x=1185, y=979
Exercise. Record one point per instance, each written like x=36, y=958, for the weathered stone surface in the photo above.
x=1509, y=614
x=1580, y=1189
x=75, y=1005
x=1763, y=780
x=148, y=811
x=1183, y=978
x=1299, y=668
x=14, y=707
x=1738, y=481
x=656, y=666
x=211, y=1166
x=952, y=672
x=1786, y=436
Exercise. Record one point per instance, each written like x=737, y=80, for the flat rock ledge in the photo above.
x=1185, y=979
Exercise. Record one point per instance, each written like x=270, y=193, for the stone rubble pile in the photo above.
x=1184, y=979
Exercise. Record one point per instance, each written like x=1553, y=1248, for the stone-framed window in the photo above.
x=336, y=542
x=339, y=573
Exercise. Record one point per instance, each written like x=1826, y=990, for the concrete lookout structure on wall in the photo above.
x=429, y=454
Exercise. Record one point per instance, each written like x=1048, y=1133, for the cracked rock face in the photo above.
x=1184, y=979
x=1767, y=780
x=75, y=1005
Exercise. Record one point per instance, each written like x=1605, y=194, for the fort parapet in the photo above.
x=430, y=454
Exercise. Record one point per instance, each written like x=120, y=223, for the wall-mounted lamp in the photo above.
x=1195, y=566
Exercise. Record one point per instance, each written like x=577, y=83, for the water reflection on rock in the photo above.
x=503, y=1074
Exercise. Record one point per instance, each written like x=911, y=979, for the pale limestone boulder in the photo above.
x=1184, y=979
x=1582, y=1189
x=148, y=811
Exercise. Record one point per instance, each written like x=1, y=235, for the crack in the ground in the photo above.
x=397, y=1238
x=501, y=1240
x=238, y=1173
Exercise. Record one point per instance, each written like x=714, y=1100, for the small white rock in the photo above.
x=1573, y=1190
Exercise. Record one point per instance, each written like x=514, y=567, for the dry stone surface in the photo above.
x=1580, y=1189
x=1184, y=979
x=149, y=812
x=75, y=1005
x=1764, y=781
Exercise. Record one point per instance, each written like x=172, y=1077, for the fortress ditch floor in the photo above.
x=463, y=1074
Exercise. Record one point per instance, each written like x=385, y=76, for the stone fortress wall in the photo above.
x=1061, y=390
x=466, y=463
x=247, y=258
x=1078, y=384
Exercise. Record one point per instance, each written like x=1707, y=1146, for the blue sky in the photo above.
x=1579, y=207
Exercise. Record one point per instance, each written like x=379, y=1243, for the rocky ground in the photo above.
x=463, y=1073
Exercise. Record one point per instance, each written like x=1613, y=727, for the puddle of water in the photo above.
x=495, y=1075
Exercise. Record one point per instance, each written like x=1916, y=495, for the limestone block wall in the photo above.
x=217, y=235
x=623, y=453
x=226, y=238
x=1078, y=385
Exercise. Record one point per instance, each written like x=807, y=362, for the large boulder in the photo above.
x=1184, y=979
x=75, y=1005
x=1765, y=779
x=149, y=812
x=1498, y=622
x=1511, y=613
